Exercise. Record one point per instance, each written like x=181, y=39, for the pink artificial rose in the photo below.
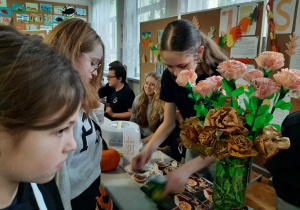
x=208, y=86
x=288, y=78
x=186, y=76
x=253, y=74
x=270, y=60
x=264, y=87
x=231, y=69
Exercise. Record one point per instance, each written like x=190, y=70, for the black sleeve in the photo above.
x=103, y=91
x=167, y=87
x=131, y=97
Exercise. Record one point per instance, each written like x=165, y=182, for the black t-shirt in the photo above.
x=26, y=199
x=122, y=100
x=106, y=91
x=285, y=165
x=173, y=93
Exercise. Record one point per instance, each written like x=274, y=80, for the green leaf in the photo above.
x=250, y=137
x=271, y=96
x=226, y=87
x=197, y=96
x=190, y=96
x=259, y=121
x=250, y=92
x=249, y=118
x=221, y=100
x=188, y=86
x=253, y=103
x=278, y=127
x=268, y=119
x=240, y=111
x=204, y=112
x=263, y=110
x=248, y=107
x=216, y=104
x=235, y=104
x=237, y=92
x=285, y=106
x=279, y=103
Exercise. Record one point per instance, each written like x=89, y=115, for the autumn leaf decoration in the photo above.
x=196, y=22
x=292, y=45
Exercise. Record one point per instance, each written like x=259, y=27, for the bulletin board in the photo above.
x=42, y=15
x=206, y=19
x=153, y=27
x=282, y=41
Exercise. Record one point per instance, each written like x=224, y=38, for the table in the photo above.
x=126, y=193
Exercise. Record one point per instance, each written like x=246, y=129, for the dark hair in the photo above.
x=35, y=84
x=72, y=38
x=115, y=63
x=183, y=36
x=120, y=72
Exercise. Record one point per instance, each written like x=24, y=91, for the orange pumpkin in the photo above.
x=110, y=158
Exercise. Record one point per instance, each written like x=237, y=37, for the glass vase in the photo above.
x=230, y=183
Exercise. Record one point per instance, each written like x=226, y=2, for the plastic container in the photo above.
x=100, y=113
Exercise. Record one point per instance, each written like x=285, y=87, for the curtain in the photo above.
x=99, y=22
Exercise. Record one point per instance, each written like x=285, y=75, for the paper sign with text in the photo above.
x=131, y=145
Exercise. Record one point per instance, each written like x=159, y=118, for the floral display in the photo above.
x=232, y=134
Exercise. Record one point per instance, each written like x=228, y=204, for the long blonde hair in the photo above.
x=72, y=38
x=157, y=105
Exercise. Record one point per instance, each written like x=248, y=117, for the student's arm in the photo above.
x=158, y=137
x=181, y=175
x=147, y=139
x=121, y=116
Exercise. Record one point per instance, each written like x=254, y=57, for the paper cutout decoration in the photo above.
x=22, y=18
x=32, y=7
x=18, y=8
x=48, y=19
x=3, y=3
x=228, y=19
x=58, y=18
x=42, y=27
x=196, y=22
x=143, y=59
x=31, y=27
x=245, y=18
x=20, y=26
x=146, y=38
x=5, y=20
x=244, y=23
x=230, y=40
x=36, y=17
x=271, y=24
x=81, y=12
x=211, y=32
x=292, y=45
x=243, y=60
x=69, y=11
x=6, y=12
x=46, y=7
x=58, y=10
x=284, y=16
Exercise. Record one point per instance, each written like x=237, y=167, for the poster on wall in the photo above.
x=46, y=7
x=22, y=18
x=283, y=12
x=18, y=8
x=20, y=26
x=3, y=3
x=58, y=10
x=245, y=11
x=246, y=47
x=36, y=17
x=32, y=7
x=228, y=19
x=48, y=19
x=43, y=27
x=69, y=11
x=58, y=18
x=6, y=12
x=5, y=20
x=31, y=27
x=81, y=12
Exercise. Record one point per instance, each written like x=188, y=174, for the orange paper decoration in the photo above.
x=244, y=23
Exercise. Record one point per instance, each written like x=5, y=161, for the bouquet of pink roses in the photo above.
x=230, y=133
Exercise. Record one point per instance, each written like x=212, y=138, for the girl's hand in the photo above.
x=109, y=111
x=176, y=181
x=140, y=160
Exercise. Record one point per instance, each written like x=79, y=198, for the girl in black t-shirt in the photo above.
x=182, y=47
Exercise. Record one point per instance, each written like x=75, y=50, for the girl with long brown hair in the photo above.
x=147, y=108
x=79, y=180
x=182, y=47
x=40, y=96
